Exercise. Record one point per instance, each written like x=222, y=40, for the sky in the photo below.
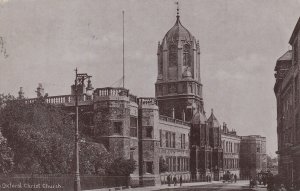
x=240, y=41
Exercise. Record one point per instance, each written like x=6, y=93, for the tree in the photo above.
x=41, y=136
x=121, y=167
x=6, y=156
x=269, y=162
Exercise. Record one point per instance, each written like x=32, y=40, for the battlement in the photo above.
x=147, y=101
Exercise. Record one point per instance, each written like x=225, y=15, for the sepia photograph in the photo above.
x=140, y=95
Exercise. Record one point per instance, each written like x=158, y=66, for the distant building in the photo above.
x=231, y=149
x=253, y=157
x=287, y=87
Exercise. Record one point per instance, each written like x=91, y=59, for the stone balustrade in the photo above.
x=63, y=99
x=109, y=91
x=172, y=120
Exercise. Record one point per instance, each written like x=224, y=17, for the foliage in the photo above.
x=94, y=158
x=121, y=167
x=6, y=156
x=163, y=167
x=41, y=137
x=269, y=162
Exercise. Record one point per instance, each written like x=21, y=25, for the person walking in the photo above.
x=235, y=178
x=175, y=181
x=282, y=188
x=169, y=180
x=180, y=180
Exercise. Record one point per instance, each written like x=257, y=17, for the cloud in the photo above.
x=3, y=1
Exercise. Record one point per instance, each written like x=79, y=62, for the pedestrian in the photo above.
x=235, y=178
x=180, y=180
x=169, y=180
x=282, y=188
x=175, y=181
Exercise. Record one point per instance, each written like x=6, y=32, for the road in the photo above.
x=216, y=187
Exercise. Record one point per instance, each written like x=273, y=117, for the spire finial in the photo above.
x=212, y=110
x=177, y=3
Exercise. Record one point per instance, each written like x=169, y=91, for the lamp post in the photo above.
x=79, y=78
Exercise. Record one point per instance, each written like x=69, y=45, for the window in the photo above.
x=149, y=167
x=182, y=141
x=174, y=164
x=160, y=138
x=168, y=163
x=167, y=139
x=258, y=149
x=133, y=126
x=173, y=140
x=117, y=127
x=131, y=154
x=186, y=55
x=173, y=55
x=149, y=132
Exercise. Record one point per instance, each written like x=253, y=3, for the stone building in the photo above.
x=253, y=156
x=288, y=121
x=178, y=88
x=178, y=91
x=231, y=150
x=169, y=130
x=215, y=142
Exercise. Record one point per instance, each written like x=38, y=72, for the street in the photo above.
x=218, y=186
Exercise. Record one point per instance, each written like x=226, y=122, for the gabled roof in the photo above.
x=213, y=120
x=295, y=32
x=286, y=56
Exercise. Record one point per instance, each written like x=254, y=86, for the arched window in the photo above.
x=186, y=55
x=173, y=55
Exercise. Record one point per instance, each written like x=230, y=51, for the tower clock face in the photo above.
x=173, y=56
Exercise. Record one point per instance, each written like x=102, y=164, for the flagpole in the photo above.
x=123, y=53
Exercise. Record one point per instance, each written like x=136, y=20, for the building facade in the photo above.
x=231, y=148
x=288, y=110
x=253, y=157
x=166, y=135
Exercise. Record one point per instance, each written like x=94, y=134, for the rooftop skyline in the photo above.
x=240, y=41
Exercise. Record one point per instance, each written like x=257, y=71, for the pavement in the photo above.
x=242, y=183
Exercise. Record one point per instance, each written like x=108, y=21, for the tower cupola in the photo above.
x=178, y=84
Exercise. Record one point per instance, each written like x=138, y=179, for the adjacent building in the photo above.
x=288, y=109
x=253, y=157
x=231, y=148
